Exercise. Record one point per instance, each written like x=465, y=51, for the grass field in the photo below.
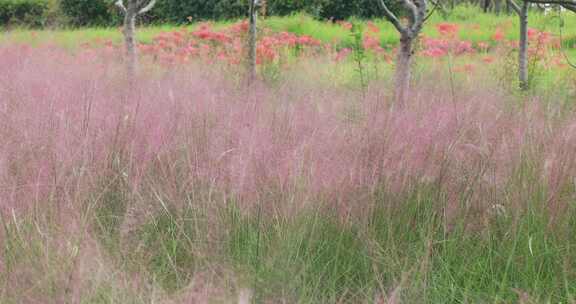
x=475, y=26
x=310, y=186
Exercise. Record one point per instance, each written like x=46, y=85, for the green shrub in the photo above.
x=287, y=7
x=338, y=9
x=230, y=9
x=37, y=13
x=173, y=11
x=103, y=12
x=89, y=12
x=23, y=12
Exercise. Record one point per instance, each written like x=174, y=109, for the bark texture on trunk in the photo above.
x=263, y=8
x=402, y=72
x=131, y=10
x=252, y=31
x=408, y=32
x=523, y=48
x=130, y=43
x=497, y=7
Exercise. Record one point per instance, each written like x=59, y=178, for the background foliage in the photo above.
x=89, y=12
x=30, y=12
x=36, y=13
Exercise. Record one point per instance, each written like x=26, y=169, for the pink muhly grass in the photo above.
x=65, y=125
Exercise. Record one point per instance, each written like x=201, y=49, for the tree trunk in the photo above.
x=523, y=48
x=264, y=8
x=497, y=7
x=252, y=43
x=486, y=5
x=402, y=73
x=130, y=43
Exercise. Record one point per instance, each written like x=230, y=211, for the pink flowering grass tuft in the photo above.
x=69, y=120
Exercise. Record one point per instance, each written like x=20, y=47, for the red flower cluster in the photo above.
x=447, y=29
x=448, y=43
x=441, y=47
x=227, y=45
x=498, y=35
x=224, y=45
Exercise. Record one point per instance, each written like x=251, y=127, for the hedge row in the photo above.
x=91, y=12
x=104, y=13
x=175, y=11
x=24, y=12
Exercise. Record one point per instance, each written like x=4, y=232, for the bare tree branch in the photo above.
x=419, y=15
x=570, y=7
x=437, y=4
x=391, y=17
x=560, y=2
x=567, y=4
x=148, y=7
x=120, y=4
x=411, y=6
x=514, y=6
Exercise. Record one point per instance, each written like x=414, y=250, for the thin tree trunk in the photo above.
x=402, y=73
x=486, y=5
x=130, y=43
x=523, y=48
x=497, y=7
x=252, y=43
x=264, y=8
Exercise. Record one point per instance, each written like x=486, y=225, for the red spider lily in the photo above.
x=240, y=27
x=227, y=45
x=342, y=54
x=464, y=47
x=372, y=43
x=559, y=62
x=532, y=33
x=309, y=41
x=222, y=56
x=289, y=39
x=442, y=47
x=206, y=34
x=345, y=24
x=146, y=49
x=372, y=27
x=447, y=29
x=514, y=44
x=434, y=52
x=488, y=59
x=204, y=26
x=543, y=38
x=498, y=35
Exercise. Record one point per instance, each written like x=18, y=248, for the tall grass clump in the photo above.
x=187, y=188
